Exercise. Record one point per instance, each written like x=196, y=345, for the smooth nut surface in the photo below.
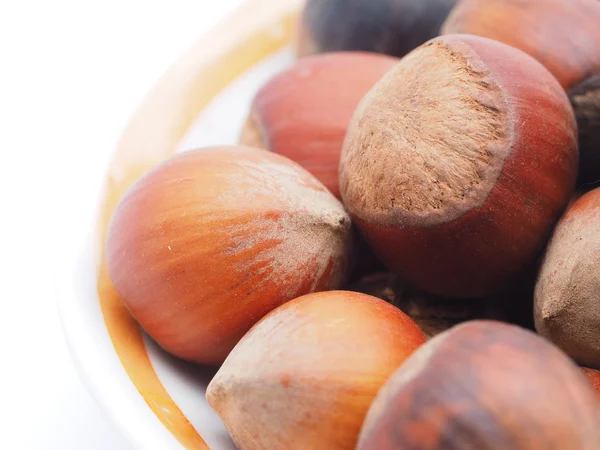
x=207, y=243
x=561, y=34
x=304, y=376
x=484, y=386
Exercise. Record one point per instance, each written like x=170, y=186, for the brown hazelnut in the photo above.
x=562, y=34
x=457, y=164
x=208, y=242
x=304, y=377
x=484, y=386
x=303, y=113
x=585, y=99
x=394, y=27
x=567, y=294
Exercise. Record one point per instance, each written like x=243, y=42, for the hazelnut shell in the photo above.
x=484, y=386
x=458, y=163
x=207, y=243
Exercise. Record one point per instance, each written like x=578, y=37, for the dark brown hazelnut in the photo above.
x=394, y=27
x=585, y=99
x=485, y=386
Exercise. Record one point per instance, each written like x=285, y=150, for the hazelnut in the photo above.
x=207, y=243
x=303, y=113
x=585, y=99
x=457, y=164
x=567, y=293
x=484, y=385
x=394, y=27
x=305, y=375
x=562, y=34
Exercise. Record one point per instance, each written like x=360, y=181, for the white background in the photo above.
x=71, y=73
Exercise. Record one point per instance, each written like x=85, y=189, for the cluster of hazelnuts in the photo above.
x=409, y=203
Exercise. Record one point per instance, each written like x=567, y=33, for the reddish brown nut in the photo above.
x=304, y=377
x=562, y=34
x=567, y=294
x=457, y=164
x=211, y=240
x=394, y=27
x=594, y=377
x=585, y=99
x=304, y=112
x=484, y=386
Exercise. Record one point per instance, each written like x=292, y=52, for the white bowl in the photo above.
x=155, y=400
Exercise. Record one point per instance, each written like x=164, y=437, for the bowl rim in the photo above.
x=100, y=370
x=252, y=32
